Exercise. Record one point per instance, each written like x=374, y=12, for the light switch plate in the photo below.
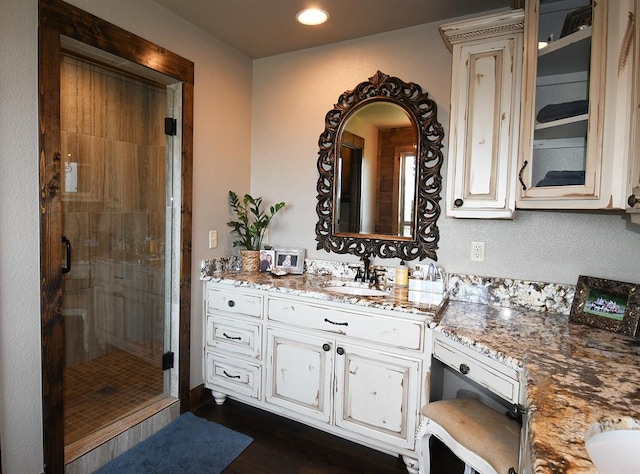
x=213, y=239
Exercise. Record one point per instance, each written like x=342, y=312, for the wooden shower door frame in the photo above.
x=56, y=19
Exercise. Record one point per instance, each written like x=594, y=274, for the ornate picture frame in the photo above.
x=607, y=304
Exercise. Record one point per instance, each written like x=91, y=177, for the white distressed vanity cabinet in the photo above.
x=357, y=372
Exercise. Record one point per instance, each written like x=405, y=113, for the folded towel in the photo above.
x=562, y=178
x=564, y=110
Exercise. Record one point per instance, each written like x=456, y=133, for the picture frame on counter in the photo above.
x=267, y=260
x=289, y=259
x=607, y=304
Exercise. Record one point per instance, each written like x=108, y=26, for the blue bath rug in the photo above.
x=187, y=444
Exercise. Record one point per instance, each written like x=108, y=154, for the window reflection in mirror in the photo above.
x=375, y=180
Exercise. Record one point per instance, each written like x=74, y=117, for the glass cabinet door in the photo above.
x=564, y=101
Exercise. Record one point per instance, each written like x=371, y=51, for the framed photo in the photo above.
x=576, y=20
x=267, y=260
x=290, y=260
x=607, y=304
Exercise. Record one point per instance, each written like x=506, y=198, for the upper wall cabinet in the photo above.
x=577, y=104
x=485, y=114
x=633, y=200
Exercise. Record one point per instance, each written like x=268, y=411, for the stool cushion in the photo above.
x=491, y=435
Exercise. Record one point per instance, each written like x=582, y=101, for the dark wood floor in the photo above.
x=284, y=446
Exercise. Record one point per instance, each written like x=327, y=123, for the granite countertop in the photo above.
x=314, y=286
x=575, y=375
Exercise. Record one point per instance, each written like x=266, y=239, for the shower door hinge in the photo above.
x=167, y=360
x=170, y=126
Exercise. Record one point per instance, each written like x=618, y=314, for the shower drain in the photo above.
x=107, y=390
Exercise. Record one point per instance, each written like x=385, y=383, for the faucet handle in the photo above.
x=375, y=275
x=359, y=274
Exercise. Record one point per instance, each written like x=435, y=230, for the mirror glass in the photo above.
x=379, y=172
x=375, y=178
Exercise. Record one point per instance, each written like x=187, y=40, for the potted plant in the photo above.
x=250, y=225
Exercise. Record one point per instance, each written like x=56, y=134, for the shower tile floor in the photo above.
x=105, y=389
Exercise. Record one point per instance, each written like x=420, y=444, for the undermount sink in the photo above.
x=356, y=290
x=613, y=444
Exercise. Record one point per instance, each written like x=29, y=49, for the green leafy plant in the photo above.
x=251, y=220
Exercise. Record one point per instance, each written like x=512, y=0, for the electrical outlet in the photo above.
x=477, y=251
x=213, y=239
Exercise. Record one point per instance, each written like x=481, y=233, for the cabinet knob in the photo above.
x=326, y=347
x=231, y=303
x=632, y=200
x=458, y=202
x=464, y=368
x=340, y=350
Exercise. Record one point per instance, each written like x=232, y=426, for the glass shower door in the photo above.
x=114, y=181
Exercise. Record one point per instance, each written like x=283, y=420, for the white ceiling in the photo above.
x=261, y=28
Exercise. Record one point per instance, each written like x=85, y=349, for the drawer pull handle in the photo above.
x=326, y=347
x=230, y=376
x=464, y=368
x=231, y=337
x=337, y=324
x=340, y=351
x=231, y=303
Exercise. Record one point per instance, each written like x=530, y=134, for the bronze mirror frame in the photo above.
x=423, y=114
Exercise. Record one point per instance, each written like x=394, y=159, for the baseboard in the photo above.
x=198, y=396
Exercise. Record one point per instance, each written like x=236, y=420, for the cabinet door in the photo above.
x=485, y=115
x=377, y=394
x=299, y=373
x=561, y=161
x=564, y=102
x=633, y=198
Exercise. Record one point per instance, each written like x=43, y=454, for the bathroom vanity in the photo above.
x=356, y=371
x=362, y=367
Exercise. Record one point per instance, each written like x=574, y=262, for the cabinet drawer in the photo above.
x=503, y=381
x=237, y=337
x=233, y=302
x=394, y=331
x=234, y=376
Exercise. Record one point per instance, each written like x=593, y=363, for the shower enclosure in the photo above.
x=117, y=229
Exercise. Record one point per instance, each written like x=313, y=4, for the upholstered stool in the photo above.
x=487, y=441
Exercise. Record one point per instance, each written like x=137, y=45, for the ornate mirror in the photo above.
x=379, y=164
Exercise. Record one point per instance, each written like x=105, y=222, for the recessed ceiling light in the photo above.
x=312, y=16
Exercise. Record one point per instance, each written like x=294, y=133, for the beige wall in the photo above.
x=291, y=94
x=221, y=161
x=20, y=393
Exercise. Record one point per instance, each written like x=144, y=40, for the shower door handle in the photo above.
x=67, y=250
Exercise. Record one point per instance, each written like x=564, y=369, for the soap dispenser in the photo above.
x=402, y=274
